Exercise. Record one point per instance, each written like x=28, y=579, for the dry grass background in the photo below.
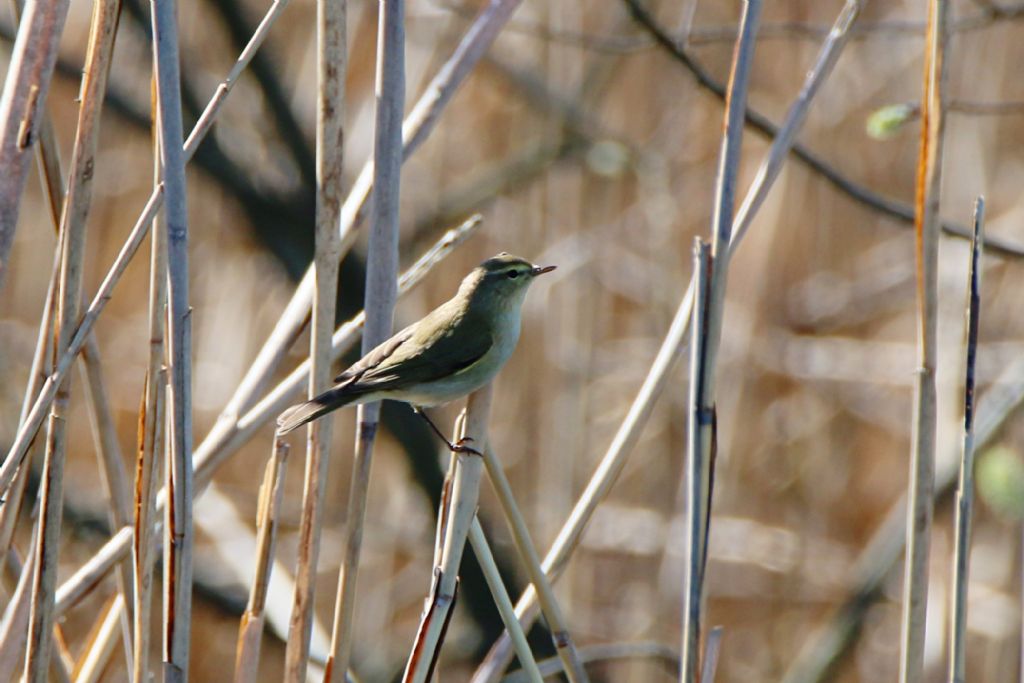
x=587, y=146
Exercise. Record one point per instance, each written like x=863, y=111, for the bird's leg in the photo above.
x=458, y=447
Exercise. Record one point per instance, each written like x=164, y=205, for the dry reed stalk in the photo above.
x=379, y=305
x=709, y=665
x=250, y=632
x=965, y=486
x=922, y=458
x=14, y=627
x=99, y=645
x=41, y=404
x=703, y=365
x=502, y=601
x=212, y=452
x=178, y=531
x=608, y=470
x=881, y=553
x=564, y=646
x=331, y=71
x=73, y=223
x=699, y=454
x=37, y=375
x=784, y=139
x=152, y=423
x=151, y=434
x=465, y=492
x=417, y=127
x=22, y=104
x=100, y=51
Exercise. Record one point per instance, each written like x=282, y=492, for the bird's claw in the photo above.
x=461, y=447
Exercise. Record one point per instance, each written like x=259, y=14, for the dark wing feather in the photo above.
x=375, y=357
x=421, y=353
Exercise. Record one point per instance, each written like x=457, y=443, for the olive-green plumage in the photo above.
x=457, y=348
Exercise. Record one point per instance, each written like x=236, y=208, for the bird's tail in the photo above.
x=300, y=414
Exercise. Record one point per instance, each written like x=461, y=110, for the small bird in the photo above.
x=456, y=349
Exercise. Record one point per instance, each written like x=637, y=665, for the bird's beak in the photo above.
x=540, y=270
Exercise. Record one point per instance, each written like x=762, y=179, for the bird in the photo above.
x=451, y=352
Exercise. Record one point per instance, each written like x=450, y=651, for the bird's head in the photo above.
x=501, y=281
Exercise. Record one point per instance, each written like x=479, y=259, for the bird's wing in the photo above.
x=375, y=357
x=413, y=357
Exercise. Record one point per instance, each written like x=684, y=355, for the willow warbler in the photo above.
x=456, y=349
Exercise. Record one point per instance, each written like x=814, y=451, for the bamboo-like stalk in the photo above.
x=152, y=440
x=40, y=369
x=965, y=486
x=14, y=626
x=710, y=663
x=703, y=365
x=73, y=223
x=922, y=458
x=416, y=128
x=608, y=470
x=250, y=631
x=379, y=304
x=29, y=426
x=151, y=436
x=331, y=71
x=178, y=532
x=218, y=446
x=482, y=550
x=699, y=454
x=549, y=606
x=794, y=121
x=462, y=511
x=22, y=104
x=100, y=644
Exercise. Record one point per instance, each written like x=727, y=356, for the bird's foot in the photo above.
x=461, y=447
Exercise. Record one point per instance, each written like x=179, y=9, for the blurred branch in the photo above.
x=890, y=207
x=823, y=648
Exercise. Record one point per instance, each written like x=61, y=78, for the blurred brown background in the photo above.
x=588, y=146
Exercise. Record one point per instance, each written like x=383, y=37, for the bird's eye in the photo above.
x=513, y=274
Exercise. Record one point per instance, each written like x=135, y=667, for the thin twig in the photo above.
x=893, y=208
x=564, y=646
x=784, y=139
x=22, y=104
x=482, y=550
x=331, y=71
x=922, y=459
x=462, y=511
x=250, y=632
x=965, y=486
x=709, y=665
x=100, y=645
